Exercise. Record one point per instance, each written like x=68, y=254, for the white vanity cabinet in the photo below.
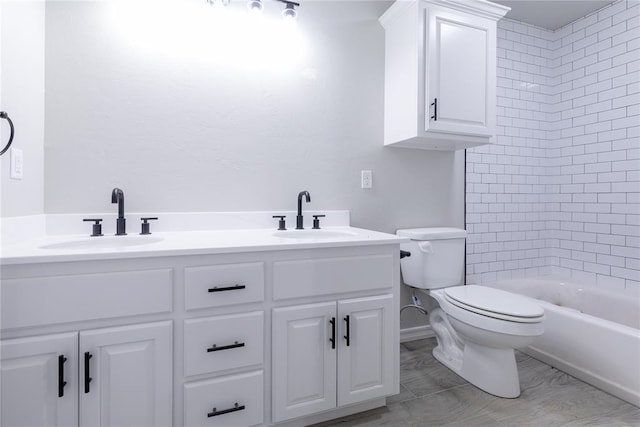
x=121, y=377
x=63, y=359
x=440, y=73
x=332, y=354
x=237, y=338
x=337, y=345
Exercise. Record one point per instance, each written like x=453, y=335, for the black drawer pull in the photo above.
x=61, y=381
x=333, y=333
x=348, y=336
x=215, y=412
x=87, y=378
x=225, y=347
x=226, y=288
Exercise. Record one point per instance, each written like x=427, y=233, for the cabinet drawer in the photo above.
x=232, y=401
x=324, y=276
x=222, y=285
x=59, y=299
x=238, y=341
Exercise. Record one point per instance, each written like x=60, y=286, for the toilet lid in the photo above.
x=490, y=301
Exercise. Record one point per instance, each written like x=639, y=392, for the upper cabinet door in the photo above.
x=304, y=360
x=39, y=381
x=365, y=359
x=460, y=92
x=126, y=376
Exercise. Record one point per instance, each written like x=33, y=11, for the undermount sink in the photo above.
x=104, y=242
x=313, y=234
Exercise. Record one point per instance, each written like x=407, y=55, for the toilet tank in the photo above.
x=437, y=257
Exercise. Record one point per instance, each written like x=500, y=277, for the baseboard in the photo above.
x=416, y=333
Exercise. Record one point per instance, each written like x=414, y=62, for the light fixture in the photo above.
x=289, y=11
x=255, y=6
x=224, y=3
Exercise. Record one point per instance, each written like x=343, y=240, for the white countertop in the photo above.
x=64, y=248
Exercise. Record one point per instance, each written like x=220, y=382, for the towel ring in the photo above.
x=4, y=115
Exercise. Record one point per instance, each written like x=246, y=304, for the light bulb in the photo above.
x=219, y=4
x=255, y=6
x=289, y=13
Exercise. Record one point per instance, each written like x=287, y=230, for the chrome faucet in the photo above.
x=117, y=196
x=299, y=218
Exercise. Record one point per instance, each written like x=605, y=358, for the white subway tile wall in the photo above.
x=559, y=191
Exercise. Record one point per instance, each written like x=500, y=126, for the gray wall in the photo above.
x=22, y=96
x=184, y=121
x=185, y=129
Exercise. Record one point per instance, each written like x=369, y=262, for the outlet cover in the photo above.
x=16, y=163
x=366, y=180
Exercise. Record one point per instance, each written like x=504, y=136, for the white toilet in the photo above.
x=476, y=327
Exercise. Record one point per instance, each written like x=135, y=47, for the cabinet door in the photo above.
x=365, y=356
x=126, y=375
x=460, y=73
x=304, y=360
x=38, y=386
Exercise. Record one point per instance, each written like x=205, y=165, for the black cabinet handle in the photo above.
x=225, y=347
x=226, y=288
x=348, y=336
x=435, y=109
x=87, y=371
x=235, y=408
x=61, y=381
x=333, y=332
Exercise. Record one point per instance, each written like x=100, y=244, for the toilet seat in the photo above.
x=494, y=303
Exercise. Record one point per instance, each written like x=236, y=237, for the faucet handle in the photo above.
x=281, y=223
x=145, y=224
x=316, y=221
x=96, y=229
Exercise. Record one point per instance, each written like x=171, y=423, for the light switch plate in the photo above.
x=17, y=163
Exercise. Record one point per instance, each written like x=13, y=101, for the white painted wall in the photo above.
x=191, y=127
x=183, y=119
x=22, y=55
x=560, y=190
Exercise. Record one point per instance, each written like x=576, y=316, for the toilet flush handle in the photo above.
x=425, y=247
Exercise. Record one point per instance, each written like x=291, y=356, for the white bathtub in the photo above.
x=590, y=333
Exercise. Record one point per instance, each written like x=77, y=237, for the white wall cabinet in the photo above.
x=440, y=73
x=122, y=377
x=331, y=354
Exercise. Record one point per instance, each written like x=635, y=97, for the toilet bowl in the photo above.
x=477, y=328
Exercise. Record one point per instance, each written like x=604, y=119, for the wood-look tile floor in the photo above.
x=432, y=395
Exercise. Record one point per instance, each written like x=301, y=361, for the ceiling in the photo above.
x=551, y=14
